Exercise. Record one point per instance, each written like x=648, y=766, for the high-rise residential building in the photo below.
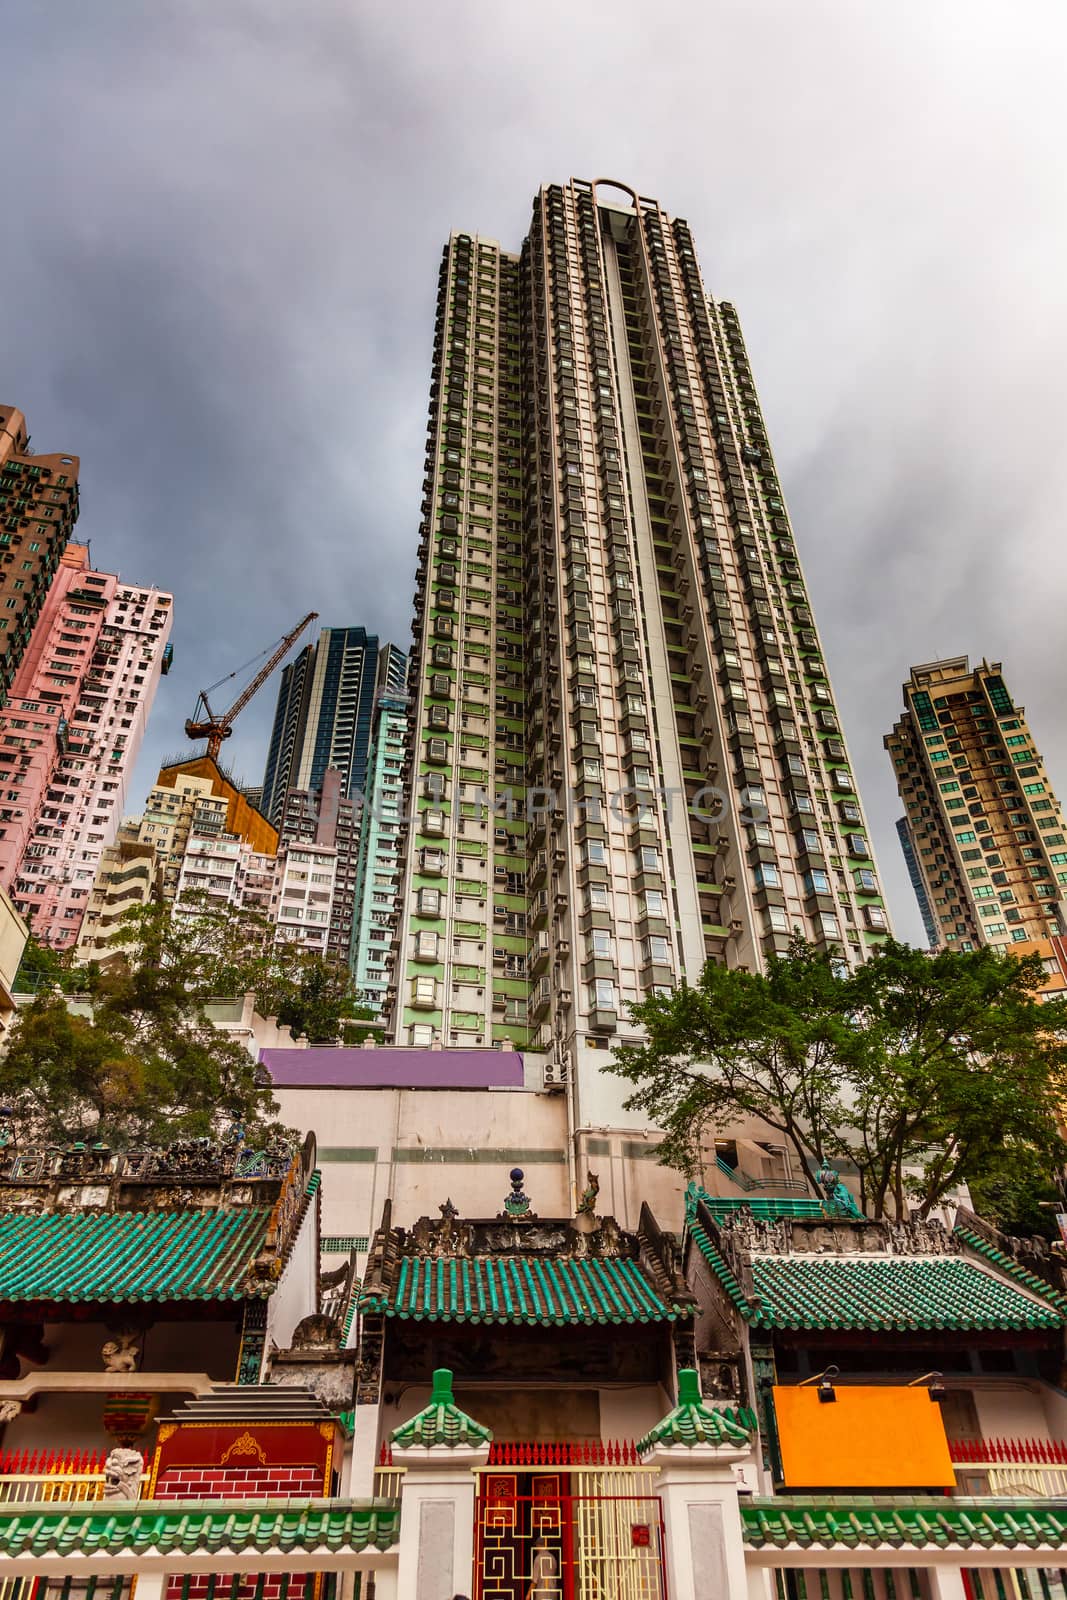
x=127, y=878
x=70, y=734
x=329, y=820
x=38, y=510
x=615, y=644
x=376, y=911
x=986, y=830
x=324, y=712
x=303, y=894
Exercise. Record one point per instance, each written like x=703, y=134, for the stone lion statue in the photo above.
x=121, y=1354
x=122, y=1474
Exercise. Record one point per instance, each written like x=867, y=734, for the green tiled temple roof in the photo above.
x=717, y=1262
x=181, y=1528
x=693, y=1423
x=889, y=1292
x=441, y=1422
x=81, y=1256
x=521, y=1288
x=997, y=1258
x=858, y=1521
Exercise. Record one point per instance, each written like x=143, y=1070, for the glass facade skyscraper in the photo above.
x=325, y=711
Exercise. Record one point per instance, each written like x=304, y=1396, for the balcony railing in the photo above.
x=51, y=1475
x=744, y=1181
x=1019, y=1468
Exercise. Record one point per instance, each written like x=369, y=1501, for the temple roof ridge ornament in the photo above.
x=441, y=1424
x=517, y=1203
x=692, y=1422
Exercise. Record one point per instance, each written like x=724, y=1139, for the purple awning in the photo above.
x=393, y=1069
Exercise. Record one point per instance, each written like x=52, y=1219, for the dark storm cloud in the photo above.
x=222, y=233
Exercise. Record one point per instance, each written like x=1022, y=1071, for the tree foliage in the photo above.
x=216, y=951
x=920, y=1072
x=139, y=1059
x=42, y=968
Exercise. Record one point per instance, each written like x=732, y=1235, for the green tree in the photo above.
x=149, y=1074
x=920, y=1072
x=310, y=993
x=142, y=1061
x=42, y=968
x=212, y=951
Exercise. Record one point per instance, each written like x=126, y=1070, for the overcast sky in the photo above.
x=222, y=226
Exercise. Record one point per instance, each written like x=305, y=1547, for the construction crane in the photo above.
x=217, y=726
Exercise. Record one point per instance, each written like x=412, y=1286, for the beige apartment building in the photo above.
x=626, y=754
x=988, y=849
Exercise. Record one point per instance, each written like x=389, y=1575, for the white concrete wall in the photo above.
x=1013, y=1410
x=297, y=1292
x=456, y=1144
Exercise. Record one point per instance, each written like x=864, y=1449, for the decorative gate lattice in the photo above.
x=568, y=1536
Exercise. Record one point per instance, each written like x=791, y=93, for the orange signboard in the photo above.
x=868, y=1437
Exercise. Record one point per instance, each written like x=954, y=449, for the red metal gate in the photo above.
x=546, y=1536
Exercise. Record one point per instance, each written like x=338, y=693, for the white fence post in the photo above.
x=696, y=1449
x=442, y=1448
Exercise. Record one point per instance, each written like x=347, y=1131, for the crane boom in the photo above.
x=217, y=726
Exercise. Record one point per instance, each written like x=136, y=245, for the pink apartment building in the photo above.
x=69, y=737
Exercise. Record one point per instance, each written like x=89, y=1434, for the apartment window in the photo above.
x=767, y=876
x=965, y=838
x=817, y=882
x=426, y=945
x=428, y=902
x=603, y=994
x=828, y=925
x=597, y=898
x=876, y=919
x=657, y=949
x=601, y=944
x=865, y=880
x=1033, y=788
x=595, y=853
x=656, y=900
x=649, y=858
x=777, y=919
x=424, y=992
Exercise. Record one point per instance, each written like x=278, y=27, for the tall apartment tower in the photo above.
x=610, y=608
x=70, y=735
x=376, y=910
x=324, y=713
x=986, y=830
x=38, y=510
